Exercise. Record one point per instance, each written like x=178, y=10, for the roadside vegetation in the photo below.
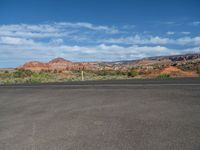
x=27, y=76
x=14, y=76
x=133, y=73
x=164, y=76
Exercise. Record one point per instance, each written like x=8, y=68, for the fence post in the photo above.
x=82, y=76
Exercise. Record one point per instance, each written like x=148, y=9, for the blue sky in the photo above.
x=96, y=30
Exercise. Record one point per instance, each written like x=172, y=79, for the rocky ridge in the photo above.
x=60, y=64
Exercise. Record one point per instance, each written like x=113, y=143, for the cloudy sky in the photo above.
x=96, y=30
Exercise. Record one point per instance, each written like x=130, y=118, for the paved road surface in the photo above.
x=106, y=115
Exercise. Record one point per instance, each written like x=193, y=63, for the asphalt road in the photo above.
x=101, y=115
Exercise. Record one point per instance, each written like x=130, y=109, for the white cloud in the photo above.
x=32, y=31
x=167, y=23
x=156, y=40
x=19, y=50
x=188, y=41
x=57, y=41
x=170, y=33
x=90, y=26
x=63, y=29
x=128, y=26
x=137, y=40
x=15, y=41
x=196, y=23
x=185, y=33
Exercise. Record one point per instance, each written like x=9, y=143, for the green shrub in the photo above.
x=163, y=76
x=132, y=73
x=118, y=72
x=76, y=71
x=6, y=72
x=22, y=73
x=40, y=75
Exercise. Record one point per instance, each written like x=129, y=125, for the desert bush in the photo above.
x=118, y=72
x=45, y=71
x=132, y=73
x=40, y=75
x=6, y=72
x=22, y=73
x=76, y=71
x=55, y=71
x=163, y=76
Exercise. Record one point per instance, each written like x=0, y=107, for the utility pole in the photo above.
x=82, y=77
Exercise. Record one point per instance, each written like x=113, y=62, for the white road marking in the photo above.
x=100, y=85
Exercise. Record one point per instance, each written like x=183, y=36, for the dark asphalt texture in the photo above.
x=101, y=115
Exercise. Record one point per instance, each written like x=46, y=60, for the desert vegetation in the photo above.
x=44, y=76
x=61, y=70
x=27, y=76
x=163, y=76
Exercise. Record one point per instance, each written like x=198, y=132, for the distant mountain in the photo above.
x=58, y=64
x=34, y=66
x=61, y=64
x=59, y=60
x=163, y=58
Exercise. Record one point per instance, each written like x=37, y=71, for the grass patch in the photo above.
x=164, y=76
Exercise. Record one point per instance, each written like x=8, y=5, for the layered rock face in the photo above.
x=61, y=64
x=35, y=66
x=55, y=64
